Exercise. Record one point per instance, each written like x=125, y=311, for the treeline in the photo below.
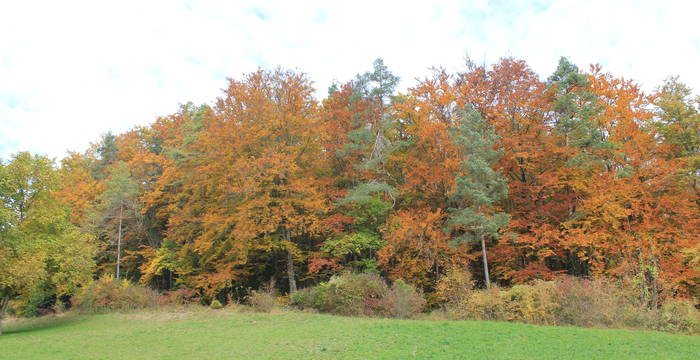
x=490, y=169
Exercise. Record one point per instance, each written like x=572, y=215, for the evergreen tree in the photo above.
x=372, y=93
x=678, y=125
x=575, y=107
x=478, y=187
x=107, y=152
x=118, y=204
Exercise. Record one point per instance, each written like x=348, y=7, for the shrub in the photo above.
x=35, y=303
x=677, y=315
x=489, y=304
x=534, y=304
x=263, y=299
x=569, y=301
x=108, y=293
x=59, y=307
x=455, y=286
x=361, y=294
x=346, y=294
x=216, y=304
x=594, y=302
x=403, y=300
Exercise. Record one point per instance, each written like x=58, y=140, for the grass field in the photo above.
x=225, y=334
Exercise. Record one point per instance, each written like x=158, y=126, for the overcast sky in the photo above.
x=70, y=71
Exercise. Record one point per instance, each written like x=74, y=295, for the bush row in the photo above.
x=565, y=301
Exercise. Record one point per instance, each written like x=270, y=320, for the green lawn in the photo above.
x=224, y=334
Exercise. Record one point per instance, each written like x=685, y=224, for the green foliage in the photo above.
x=120, y=187
x=44, y=256
x=380, y=83
x=479, y=188
x=364, y=192
x=678, y=124
x=361, y=294
x=353, y=244
x=118, y=210
x=166, y=259
x=216, y=304
x=107, y=152
x=195, y=120
x=678, y=119
x=575, y=107
x=367, y=265
x=369, y=213
x=26, y=180
x=31, y=303
x=346, y=294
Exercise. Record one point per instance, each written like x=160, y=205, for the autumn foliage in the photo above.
x=268, y=182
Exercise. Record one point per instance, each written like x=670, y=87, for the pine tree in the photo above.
x=118, y=204
x=478, y=187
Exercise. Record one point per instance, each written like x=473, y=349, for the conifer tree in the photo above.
x=478, y=187
x=118, y=204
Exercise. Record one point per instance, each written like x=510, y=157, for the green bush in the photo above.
x=361, y=294
x=216, y=304
x=109, y=294
x=346, y=294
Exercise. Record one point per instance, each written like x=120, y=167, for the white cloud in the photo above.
x=70, y=71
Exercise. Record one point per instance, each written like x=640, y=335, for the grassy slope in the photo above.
x=230, y=335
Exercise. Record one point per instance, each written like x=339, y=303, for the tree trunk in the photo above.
x=654, y=285
x=290, y=272
x=4, y=300
x=119, y=239
x=290, y=265
x=486, y=262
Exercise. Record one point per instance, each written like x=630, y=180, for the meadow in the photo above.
x=200, y=333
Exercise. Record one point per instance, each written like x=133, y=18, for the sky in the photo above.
x=73, y=70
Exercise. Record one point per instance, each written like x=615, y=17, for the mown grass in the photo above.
x=226, y=334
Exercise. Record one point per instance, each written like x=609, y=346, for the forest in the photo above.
x=511, y=176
